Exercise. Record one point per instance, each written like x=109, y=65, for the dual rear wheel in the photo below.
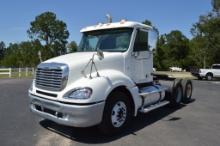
x=181, y=92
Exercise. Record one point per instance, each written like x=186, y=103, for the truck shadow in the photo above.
x=91, y=135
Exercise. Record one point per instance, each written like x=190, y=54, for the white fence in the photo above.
x=17, y=72
x=5, y=71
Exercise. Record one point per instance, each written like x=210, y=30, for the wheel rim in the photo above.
x=188, y=90
x=209, y=77
x=119, y=114
x=179, y=95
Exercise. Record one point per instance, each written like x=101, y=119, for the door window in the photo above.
x=141, y=41
x=216, y=66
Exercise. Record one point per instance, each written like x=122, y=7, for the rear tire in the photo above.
x=188, y=88
x=209, y=76
x=117, y=113
x=176, y=95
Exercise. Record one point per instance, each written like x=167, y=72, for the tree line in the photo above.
x=48, y=38
x=203, y=50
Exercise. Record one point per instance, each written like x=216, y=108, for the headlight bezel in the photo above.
x=83, y=93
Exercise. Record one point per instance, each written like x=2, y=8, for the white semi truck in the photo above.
x=107, y=82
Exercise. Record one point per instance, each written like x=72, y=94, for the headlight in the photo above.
x=80, y=93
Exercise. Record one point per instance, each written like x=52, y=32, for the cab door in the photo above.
x=141, y=58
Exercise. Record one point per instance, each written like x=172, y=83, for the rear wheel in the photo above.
x=209, y=76
x=176, y=95
x=117, y=113
x=188, y=88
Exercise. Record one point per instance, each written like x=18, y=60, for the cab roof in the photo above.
x=122, y=24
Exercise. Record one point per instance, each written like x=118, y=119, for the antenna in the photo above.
x=109, y=18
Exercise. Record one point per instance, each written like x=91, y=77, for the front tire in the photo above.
x=117, y=114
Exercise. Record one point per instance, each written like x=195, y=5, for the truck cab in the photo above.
x=107, y=82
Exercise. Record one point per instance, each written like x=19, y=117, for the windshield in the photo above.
x=110, y=40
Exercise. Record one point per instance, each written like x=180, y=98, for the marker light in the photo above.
x=122, y=21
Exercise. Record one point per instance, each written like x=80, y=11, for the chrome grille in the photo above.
x=51, y=76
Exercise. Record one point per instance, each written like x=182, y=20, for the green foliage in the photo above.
x=2, y=50
x=216, y=6
x=159, y=54
x=148, y=22
x=72, y=47
x=198, y=51
x=206, y=42
x=51, y=32
x=172, y=50
x=177, y=44
x=48, y=36
x=22, y=55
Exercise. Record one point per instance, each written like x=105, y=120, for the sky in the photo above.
x=166, y=15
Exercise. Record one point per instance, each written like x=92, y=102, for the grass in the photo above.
x=16, y=75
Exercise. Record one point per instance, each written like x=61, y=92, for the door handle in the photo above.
x=135, y=54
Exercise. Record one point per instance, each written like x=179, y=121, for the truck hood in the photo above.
x=77, y=62
x=204, y=70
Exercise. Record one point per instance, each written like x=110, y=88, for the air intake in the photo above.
x=52, y=76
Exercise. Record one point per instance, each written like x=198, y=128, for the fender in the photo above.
x=117, y=79
x=103, y=85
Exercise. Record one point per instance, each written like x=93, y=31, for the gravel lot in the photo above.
x=195, y=124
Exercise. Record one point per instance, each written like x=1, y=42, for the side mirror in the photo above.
x=152, y=39
x=100, y=54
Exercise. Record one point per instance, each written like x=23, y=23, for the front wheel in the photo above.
x=117, y=113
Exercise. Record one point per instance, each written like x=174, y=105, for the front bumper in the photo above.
x=67, y=114
x=195, y=74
